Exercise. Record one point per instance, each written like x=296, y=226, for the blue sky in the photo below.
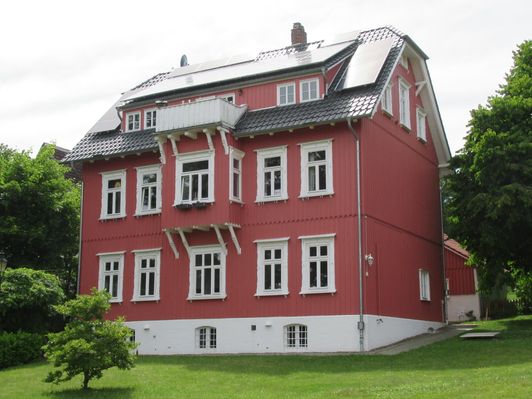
x=63, y=63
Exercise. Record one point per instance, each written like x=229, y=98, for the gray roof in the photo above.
x=337, y=105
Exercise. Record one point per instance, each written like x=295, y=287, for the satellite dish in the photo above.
x=184, y=60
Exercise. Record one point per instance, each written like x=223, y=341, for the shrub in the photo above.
x=19, y=348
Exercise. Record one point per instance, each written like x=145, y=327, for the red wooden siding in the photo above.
x=461, y=277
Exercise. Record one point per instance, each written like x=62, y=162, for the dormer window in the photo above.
x=404, y=104
x=286, y=94
x=229, y=97
x=133, y=121
x=386, y=102
x=150, y=119
x=309, y=90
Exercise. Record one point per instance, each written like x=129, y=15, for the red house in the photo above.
x=278, y=202
x=461, y=282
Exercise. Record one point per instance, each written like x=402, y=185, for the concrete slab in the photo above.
x=481, y=335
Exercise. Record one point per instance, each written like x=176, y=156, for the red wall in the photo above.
x=461, y=277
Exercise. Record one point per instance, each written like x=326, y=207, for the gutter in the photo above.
x=360, y=324
x=444, y=278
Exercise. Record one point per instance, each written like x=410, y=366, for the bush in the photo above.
x=19, y=348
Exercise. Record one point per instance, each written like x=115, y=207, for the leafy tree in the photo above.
x=89, y=344
x=27, y=298
x=489, y=195
x=39, y=214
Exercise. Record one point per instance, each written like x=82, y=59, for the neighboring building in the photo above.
x=463, y=300
x=221, y=210
x=59, y=154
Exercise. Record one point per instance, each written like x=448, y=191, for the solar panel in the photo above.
x=366, y=63
x=110, y=120
x=241, y=70
x=203, y=66
x=341, y=38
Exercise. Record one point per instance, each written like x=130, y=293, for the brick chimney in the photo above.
x=299, y=36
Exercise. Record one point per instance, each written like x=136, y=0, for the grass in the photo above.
x=500, y=368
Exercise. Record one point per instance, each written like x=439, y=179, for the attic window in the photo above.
x=404, y=61
x=133, y=121
x=286, y=94
x=150, y=118
x=309, y=90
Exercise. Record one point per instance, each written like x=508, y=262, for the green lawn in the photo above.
x=500, y=368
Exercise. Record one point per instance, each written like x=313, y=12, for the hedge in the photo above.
x=19, y=348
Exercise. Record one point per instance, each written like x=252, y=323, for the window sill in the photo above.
x=117, y=217
x=424, y=300
x=140, y=214
x=273, y=293
x=116, y=300
x=190, y=205
x=206, y=298
x=317, y=194
x=149, y=299
x=404, y=127
x=320, y=291
x=236, y=201
x=422, y=140
x=387, y=113
x=273, y=199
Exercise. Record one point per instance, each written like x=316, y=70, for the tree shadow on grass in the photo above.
x=100, y=393
x=512, y=347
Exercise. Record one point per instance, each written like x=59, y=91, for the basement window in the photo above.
x=296, y=336
x=206, y=338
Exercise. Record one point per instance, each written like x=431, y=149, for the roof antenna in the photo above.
x=184, y=61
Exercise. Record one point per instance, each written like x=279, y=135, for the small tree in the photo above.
x=89, y=344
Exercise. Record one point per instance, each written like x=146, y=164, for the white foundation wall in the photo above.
x=459, y=305
x=383, y=331
x=325, y=334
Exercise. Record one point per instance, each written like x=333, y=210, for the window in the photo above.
x=316, y=168
x=113, y=194
x=309, y=90
x=207, y=273
x=272, y=267
x=424, y=285
x=147, y=274
x=148, y=190
x=206, y=338
x=150, y=119
x=286, y=94
x=318, y=264
x=229, y=97
x=296, y=336
x=271, y=174
x=133, y=121
x=195, y=178
x=235, y=175
x=111, y=274
x=386, y=101
x=421, y=125
x=404, y=103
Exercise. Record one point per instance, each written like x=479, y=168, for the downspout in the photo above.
x=444, y=304
x=360, y=325
x=79, y=244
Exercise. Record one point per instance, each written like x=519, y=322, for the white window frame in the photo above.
x=202, y=250
x=306, y=148
x=286, y=85
x=112, y=257
x=146, y=170
x=317, y=240
x=146, y=112
x=194, y=157
x=309, y=82
x=113, y=175
x=424, y=285
x=235, y=154
x=421, y=124
x=300, y=341
x=387, y=100
x=226, y=97
x=404, y=104
x=133, y=115
x=209, y=330
x=272, y=245
x=147, y=254
x=262, y=154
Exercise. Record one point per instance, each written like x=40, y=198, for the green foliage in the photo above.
x=19, y=348
x=488, y=198
x=27, y=299
x=39, y=208
x=89, y=344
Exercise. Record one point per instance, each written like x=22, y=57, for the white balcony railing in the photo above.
x=214, y=111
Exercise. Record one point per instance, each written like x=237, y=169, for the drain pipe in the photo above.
x=360, y=325
x=79, y=243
